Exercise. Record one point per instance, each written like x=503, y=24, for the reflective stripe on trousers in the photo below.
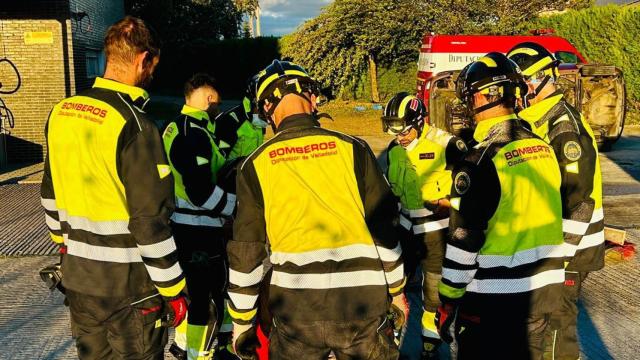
x=196, y=220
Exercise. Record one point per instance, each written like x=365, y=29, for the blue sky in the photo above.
x=280, y=17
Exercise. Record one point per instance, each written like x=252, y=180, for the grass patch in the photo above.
x=351, y=121
x=632, y=117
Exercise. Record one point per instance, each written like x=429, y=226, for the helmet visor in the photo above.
x=393, y=125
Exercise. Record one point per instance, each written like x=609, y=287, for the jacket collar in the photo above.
x=483, y=129
x=194, y=113
x=536, y=111
x=297, y=121
x=137, y=95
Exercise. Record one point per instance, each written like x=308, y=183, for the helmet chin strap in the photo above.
x=315, y=114
x=488, y=106
x=532, y=95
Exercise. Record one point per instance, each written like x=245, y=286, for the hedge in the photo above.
x=391, y=80
x=604, y=34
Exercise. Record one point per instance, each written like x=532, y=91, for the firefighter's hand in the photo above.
x=445, y=317
x=400, y=302
x=245, y=341
x=439, y=207
x=177, y=309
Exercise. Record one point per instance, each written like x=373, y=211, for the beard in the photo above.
x=144, y=78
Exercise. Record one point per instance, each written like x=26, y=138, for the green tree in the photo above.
x=179, y=21
x=249, y=8
x=352, y=37
x=605, y=35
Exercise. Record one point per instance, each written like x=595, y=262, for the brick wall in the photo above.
x=88, y=34
x=49, y=72
x=34, y=9
x=45, y=81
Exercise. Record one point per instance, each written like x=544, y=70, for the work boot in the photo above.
x=223, y=350
x=177, y=353
x=430, y=348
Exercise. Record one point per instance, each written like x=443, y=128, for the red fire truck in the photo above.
x=596, y=90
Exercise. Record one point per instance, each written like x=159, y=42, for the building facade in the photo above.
x=56, y=45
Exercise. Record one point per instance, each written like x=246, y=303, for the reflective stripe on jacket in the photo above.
x=195, y=161
x=320, y=199
x=506, y=247
x=107, y=192
x=423, y=174
x=575, y=146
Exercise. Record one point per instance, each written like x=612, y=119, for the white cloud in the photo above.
x=280, y=17
x=272, y=14
x=266, y=4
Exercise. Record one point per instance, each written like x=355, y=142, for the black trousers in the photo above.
x=431, y=263
x=427, y=250
x=501, y=336
x=117, y=328
x=349, y=340
x=562, y=336
x=202, y=255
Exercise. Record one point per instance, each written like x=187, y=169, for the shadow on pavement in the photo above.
x=625, y=155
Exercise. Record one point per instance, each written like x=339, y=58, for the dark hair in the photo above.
x=128, y=38
x=199, y=80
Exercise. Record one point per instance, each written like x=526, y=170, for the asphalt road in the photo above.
x=34, y=322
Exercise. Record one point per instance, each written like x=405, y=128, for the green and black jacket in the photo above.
x=235, y=132
x=420, y=176
x=190, y=144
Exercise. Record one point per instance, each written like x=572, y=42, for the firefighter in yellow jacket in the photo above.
x=317, y=201
x=108, y=193
x=419, y=170
x=503, y=269
x=558, y=123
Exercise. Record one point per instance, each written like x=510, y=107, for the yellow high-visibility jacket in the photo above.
x=318, y=200
x=565, y=129
x=107, y=191
x=505, y=253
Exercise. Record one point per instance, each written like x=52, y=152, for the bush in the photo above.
x=604, y=34
x=390, y=82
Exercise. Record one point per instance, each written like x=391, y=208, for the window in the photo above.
x=95, y=63
x=567, y=57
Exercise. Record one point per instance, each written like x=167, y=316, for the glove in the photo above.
x=445, y=317
x=399, y=316
x=177, y=309
x=245, y=341
x=52, y=277
x=400, y=302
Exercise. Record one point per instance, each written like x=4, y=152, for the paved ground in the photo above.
x=22, y=173
x=34, y=322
